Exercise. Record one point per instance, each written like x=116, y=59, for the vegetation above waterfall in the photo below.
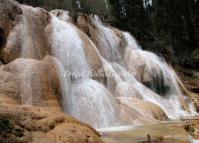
x=168, y=27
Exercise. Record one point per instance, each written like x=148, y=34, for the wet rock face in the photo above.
x=18, y=20
x=146, y=108
x=31, y=82
x=44, y=122
x=83, y=23
x=10, y=12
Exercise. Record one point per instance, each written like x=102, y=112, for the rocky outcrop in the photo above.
x=18, y=20
x=30, y=88
x=9, y=11
x=10, y=15
x=31, y=82
x=28, y=124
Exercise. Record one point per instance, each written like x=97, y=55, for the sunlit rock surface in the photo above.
x=147, y=109
x=28, y=124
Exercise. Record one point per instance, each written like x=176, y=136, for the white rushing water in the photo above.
x=138, y=66
x=107, y=80
x=83, y=97
x=108, y=46
x=129, y=72
x=160, y=78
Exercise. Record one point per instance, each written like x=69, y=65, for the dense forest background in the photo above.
x=169, y=28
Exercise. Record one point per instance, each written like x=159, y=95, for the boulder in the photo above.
x=29, y=124
x=129, y=116
x=145, y=108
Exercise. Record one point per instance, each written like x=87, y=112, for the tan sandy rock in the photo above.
x=28, y=124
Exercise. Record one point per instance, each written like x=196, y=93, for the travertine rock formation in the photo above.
x=27, y=124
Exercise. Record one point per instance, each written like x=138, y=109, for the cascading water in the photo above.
x=161, y=78
x=32, y=41
x=155, y=71
x=130, y=74
x=107, y=44
x=139, y=67
x=131, y=86
x=26, y=82
x=85, y=97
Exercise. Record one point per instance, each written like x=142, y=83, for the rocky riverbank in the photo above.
x=29, y=124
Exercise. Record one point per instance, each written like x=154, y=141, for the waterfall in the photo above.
x=32, y=38
x=107, y=80
x=157, y=75
x=86, y=99
x=148, y=75
x=26, y=37
x=108, y=43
